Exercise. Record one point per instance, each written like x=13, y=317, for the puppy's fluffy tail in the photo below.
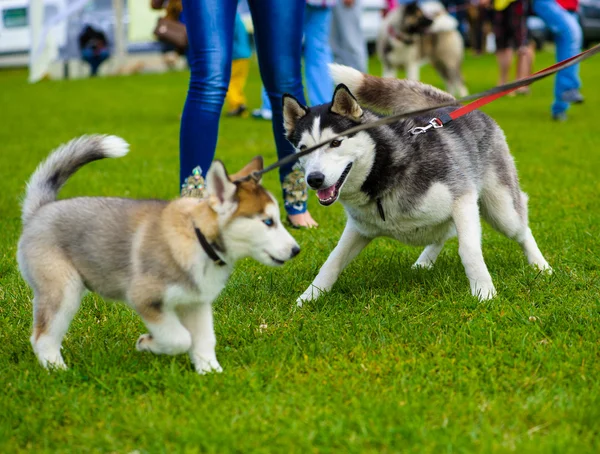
x=388, y=94
x=53, y=173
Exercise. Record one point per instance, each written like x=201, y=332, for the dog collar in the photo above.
x=400, y=36
x=380, y=209
x=208, y=248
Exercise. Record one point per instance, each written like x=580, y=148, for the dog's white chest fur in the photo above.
x=210, y=280
x=426, y=223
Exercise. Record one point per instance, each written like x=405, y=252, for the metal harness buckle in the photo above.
x=434, y=123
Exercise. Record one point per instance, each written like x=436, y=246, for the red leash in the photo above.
x=479, y=99
x=444, y=119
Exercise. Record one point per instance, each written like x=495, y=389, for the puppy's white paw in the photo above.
x=48, y=354
x=310, y=294
x=144, y=343
x=55, y=362
x=484, y=291
x=207, y=365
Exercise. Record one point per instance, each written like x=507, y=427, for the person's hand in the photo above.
x=484, y=2
x=348, y=3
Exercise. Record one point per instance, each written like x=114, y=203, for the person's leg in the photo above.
x=346, y=38
x=521, y=33
x=568, y=37
x=504, y=52
x=236, y=99
x=210, y=35
x=317, y=54
x=87, y=55
x=278, y=37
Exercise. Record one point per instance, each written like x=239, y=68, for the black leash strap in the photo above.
x=500, y=90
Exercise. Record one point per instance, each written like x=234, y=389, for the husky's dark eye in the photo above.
x=335, y=143
x=302, y=147
x=269, y=222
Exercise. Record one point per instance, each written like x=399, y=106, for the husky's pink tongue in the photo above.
x=325, y=194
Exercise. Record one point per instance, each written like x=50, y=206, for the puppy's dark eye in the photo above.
x=302, y=147
x=269, y=222
x=335, y=143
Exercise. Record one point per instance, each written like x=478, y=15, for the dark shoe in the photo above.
x=560, y=116
x=573, y=96
x=241, y=111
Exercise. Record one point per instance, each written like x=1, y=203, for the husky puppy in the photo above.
x=420, y=189
x=167, y=260
x=412, y=35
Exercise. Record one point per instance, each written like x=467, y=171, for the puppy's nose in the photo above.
x=295, y=251
x=315, y=179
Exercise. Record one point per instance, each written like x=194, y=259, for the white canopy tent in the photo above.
x=46, y=22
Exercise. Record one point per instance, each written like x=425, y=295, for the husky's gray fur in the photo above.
x=420, y=189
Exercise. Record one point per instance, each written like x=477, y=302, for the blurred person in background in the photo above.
x=278, y=28
x=235, y=98
x=561, y=18
x=510, y=29
x=347, y=40
x=480, y=18
x=93, y=46
x=173, y=13
x=317, y=55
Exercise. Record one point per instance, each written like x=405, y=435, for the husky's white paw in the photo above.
x=543, y=267
x=484, y=291
x=310, y=294
x=423, y=264
x=206, y=365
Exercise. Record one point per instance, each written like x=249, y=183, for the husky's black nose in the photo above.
x=315, y=179
x=295, y=251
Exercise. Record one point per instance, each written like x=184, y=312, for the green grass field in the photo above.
x=392, y=360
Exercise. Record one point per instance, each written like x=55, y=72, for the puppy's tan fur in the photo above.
x=144, y=252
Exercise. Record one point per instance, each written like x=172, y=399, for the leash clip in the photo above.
x=434, y=123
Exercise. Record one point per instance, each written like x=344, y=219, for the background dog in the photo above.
x=167, y=260
x=412, y=35
x=420, y=189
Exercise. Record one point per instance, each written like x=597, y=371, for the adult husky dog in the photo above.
x=167, y=260
x=412, y=35
x=420, y=189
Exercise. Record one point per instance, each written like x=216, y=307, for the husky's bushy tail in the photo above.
x=53, y=173
x=388, y=94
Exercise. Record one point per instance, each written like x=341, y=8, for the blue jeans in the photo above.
x=94, y=58
x=317, y=55
x=210, y=27
x=568, y=37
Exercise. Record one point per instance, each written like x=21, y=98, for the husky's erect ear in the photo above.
x=221, y=191
x=255, y=165
x=292, y=112
x=344, y=103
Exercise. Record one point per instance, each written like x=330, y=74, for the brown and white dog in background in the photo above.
x=167, y=260
x=412, y=35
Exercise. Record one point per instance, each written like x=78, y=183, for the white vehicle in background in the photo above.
x=15, y=34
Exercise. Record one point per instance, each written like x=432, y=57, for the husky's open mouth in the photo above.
x=329, y=195
x=276, y=261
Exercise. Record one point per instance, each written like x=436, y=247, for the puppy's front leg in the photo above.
x=198, y=319
x=349, y=246
x=465, y=213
